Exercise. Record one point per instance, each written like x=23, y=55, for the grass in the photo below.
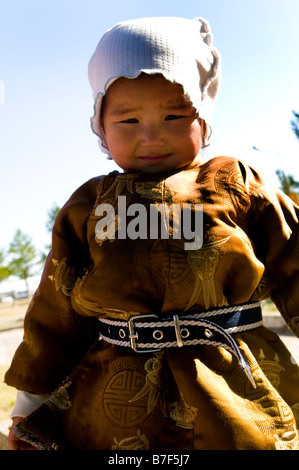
x=11, y=316
x=268, y=306
x=7, y=396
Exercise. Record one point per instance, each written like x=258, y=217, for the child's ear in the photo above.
x=203, y=126
x=103, y=143
x=103, y=138
x=102, y=134
x=102, y=128
x=204, y=132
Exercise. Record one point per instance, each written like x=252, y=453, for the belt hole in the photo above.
x=158, y=334
x=185, y=333
x=208, y=333
x=122, y=333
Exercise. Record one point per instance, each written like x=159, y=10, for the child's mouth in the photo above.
x=155, y=158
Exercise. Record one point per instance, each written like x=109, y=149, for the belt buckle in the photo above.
x=134, y=336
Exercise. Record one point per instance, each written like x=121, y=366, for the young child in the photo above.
x=146, y=329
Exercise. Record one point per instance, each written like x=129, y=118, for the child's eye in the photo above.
x=130, y=121
x=172, y=117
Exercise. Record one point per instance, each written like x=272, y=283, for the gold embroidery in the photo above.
x=151, y=260
x=119, y=314
x=109, y=230
x=295, y=410
x=60, y=401
x=289, y=441
x=113, y=413
x=154, y=386
x=183, y=414
x=83, y=305
x=157, y=191
x=272, y=369
x=121, y=181
x=138, y=442
x=64, y=277
x=203, y=263
x=264, y=408
x=116, y=401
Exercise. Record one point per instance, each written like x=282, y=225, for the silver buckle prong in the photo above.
x=178, y=331
x=133, y=337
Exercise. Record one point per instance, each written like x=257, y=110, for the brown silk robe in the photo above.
x=184, y=398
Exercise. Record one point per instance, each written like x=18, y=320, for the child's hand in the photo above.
x=15, y=443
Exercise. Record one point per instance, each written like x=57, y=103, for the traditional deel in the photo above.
x=108, y=396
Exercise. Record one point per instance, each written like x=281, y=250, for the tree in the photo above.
x=295, y=124
x=52, y=213
x=24, y=257
x=288, y=183
x=4, y=270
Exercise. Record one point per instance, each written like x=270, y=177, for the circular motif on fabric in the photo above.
x=116, y=398
x=33, y=342
x=111, y=402
x=264, y=408
x=120, y=404
x=161, y=264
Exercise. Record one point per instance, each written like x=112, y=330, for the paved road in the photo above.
x=9, y=341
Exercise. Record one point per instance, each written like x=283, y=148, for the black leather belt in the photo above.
x=149, y=333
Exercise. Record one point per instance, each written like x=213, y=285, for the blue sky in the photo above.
x=47, y=148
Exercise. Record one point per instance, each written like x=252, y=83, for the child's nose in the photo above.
x=152, y=136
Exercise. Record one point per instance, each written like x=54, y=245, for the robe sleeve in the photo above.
x=55, y=336
x=274, y=230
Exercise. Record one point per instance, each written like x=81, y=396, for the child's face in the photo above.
x=149, y=126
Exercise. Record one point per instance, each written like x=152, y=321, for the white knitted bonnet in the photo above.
x=179, y=49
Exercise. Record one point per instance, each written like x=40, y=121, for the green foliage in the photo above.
x=7, y=396
x=52, y=213
x=4, y=270
x=295, y=124
x=288, y=183
x=23, y=256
